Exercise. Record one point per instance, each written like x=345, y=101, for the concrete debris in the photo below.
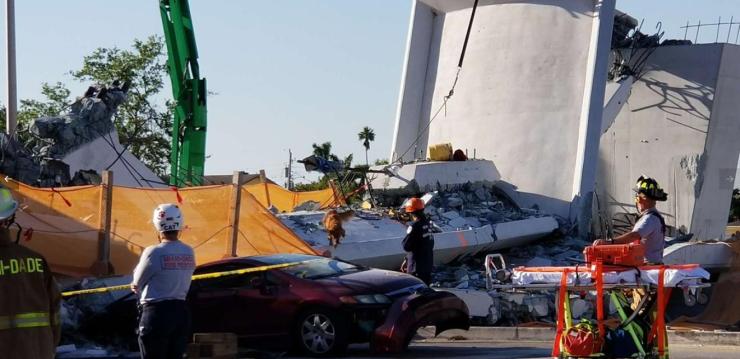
x=473, y=222
x=454, y=277
x=513, y=308
x=559, y=252
x=457, y=223
x=450, y=215
x=454, y=202
x=80, y=325
x=307, y=206
x=479, y=303
x=477, y=203
x=539, y=262
x=580, y=308
x=38, y=162
x=518, y=308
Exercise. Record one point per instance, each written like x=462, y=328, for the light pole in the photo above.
x=11, y=100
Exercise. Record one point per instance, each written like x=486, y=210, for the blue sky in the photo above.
x=286, y=73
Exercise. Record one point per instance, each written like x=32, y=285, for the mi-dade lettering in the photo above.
x=21, y=265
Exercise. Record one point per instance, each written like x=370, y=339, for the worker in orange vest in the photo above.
x=29, y=296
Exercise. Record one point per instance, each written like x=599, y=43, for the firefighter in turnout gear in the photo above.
x=29, y=296
x=418, y=243
x=650, y=226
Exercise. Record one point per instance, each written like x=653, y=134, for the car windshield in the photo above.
x=322, y=268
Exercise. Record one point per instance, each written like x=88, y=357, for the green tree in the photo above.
x=381, y=162
x=367, y=135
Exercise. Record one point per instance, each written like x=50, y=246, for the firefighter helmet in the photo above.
x=650, y=188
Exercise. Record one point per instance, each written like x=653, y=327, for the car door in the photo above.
x=258, y=305
x=209, y=301
x=237, y=304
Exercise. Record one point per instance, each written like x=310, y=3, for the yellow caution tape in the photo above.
x=195, y=277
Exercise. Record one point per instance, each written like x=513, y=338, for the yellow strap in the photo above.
x=25, y=320
x=33, y=315
x=195, y=277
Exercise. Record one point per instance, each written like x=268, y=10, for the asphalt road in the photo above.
x=526, y=350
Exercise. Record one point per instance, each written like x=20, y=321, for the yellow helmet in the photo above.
x=8, y=205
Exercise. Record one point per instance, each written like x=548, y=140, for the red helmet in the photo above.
x=414, y=204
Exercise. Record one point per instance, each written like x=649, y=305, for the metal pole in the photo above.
x=719, y=23
x=687, y=30
x=729, y=29
x=696, y=39
x=290, y=170
x=11, y=100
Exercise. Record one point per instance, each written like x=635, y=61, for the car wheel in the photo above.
x=321, y=333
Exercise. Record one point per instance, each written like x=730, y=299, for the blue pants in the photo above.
x=163, y=330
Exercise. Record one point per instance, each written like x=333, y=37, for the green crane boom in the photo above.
x=188, y=156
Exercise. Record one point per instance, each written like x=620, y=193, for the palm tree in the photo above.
x=367, y=135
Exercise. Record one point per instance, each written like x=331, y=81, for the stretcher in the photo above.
x=609, y=282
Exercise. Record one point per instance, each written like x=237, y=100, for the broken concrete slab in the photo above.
x=426, y=176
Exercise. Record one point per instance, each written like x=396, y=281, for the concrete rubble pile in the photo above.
x=85, y=321
x=38, y=162
x=467, y=206
x=473, y=205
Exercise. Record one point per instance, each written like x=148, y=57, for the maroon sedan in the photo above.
x=319, y=306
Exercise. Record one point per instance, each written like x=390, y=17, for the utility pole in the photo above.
x=11, y=100
x=290, y=169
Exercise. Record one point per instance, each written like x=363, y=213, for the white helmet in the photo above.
x=167, y=217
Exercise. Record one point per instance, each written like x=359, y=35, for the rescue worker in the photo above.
x=418, y=243
x=29, y=296
x=162, y=280
x=650, y=226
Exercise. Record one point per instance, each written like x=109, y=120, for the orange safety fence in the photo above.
x=66, y=224
x=269, y=194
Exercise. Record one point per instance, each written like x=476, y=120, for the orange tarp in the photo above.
x=66, y=224
x=285, y=200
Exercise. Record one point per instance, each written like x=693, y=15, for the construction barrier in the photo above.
x=269, y=194
x=94, y=230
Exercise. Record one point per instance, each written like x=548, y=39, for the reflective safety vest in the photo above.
x=25, y=320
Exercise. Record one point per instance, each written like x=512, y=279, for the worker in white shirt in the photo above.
x=162, y=280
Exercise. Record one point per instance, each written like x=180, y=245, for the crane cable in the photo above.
x=399, y=159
